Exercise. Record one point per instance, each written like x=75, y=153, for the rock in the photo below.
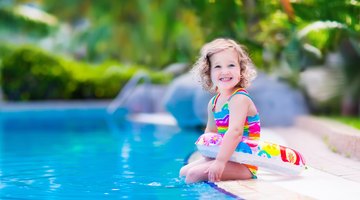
x=277, y=103
x=322, y=83
x=187, y=102
x=201, y=100
x=177, y=68
x=146, y=98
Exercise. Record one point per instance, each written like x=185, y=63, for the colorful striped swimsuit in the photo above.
x=251, y=126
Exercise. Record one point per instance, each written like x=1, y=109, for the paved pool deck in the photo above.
x=330, y=175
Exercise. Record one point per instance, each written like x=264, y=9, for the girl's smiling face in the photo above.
x=225, y=69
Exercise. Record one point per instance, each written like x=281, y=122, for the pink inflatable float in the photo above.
x=270, y=156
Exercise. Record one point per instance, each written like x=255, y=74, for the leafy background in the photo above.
x=88, y=49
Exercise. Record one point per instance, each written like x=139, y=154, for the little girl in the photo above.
x=224, y=67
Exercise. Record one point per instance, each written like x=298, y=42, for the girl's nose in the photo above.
x=224, y=70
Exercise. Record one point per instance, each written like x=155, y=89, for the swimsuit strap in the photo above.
x=237, y=91
x=214, y=100
x=240, y=91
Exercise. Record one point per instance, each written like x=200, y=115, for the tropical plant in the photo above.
x=154, y=33
x=283, y=36
x=17, y=21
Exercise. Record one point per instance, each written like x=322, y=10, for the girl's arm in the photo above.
x=238, y=108
x=210, y=125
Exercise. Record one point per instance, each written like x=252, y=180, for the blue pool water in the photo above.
x=85, y=154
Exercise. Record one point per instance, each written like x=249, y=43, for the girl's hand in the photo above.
x=215, y=171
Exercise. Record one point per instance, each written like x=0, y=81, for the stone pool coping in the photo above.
x=339, y=137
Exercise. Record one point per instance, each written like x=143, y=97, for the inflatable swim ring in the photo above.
x=270, y=156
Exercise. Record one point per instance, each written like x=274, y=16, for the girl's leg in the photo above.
x=184, y=169
x=232, y=171
x=236, y=171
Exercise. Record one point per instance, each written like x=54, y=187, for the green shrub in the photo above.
x=105, y=81
x=31, y=74
x=98, y=82
x=5, y=50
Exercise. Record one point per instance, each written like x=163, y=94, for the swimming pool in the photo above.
x=85, y=154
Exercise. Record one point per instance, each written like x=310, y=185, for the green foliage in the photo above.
x=152, y=33
x=223, y=16
x=329, y=107
x=351, y=121
x=342, y=11
x=157, y=33
x=5, y=50
x=31, y=74
x=13, y=22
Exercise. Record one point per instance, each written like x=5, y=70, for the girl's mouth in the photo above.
x=226, y=79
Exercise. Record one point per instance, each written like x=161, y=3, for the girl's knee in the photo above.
x=183, y=171
x=193, y=176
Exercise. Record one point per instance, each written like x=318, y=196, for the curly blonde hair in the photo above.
x=202, y=66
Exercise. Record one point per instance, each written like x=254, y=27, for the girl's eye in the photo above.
x=231, y=65
x=217, y=66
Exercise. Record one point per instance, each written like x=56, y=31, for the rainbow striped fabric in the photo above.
x=251, y=126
